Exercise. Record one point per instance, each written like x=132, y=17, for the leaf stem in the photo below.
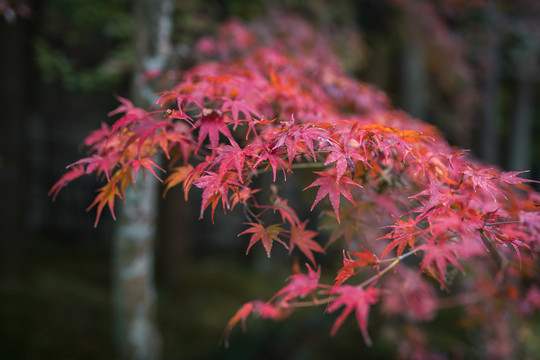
x=388, y=268
x=315, y=302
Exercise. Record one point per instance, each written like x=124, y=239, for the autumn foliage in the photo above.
x=423, y=225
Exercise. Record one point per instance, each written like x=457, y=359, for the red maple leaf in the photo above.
x=107, y=195
x=215, y=187
x=404, y=234
x=303, y=239
x=266, y=234
x=178, y=175
x=257, y=307
x=73, y=173
x=437, y=255
x=483, y=179
x=241, y=315
x=354, y=298
x=131, y=113
x=230, y=157
x=300, y=285
x=237, y=106
x=211, y=124
x=333, y=187
x=363, y=258
x=101, y=164
x=287, y=213
x=97, y=136
x=439, y=196
x=273, y=156
x=510, y=177
x=343, y=156
x=146, y=163
x=299, y=138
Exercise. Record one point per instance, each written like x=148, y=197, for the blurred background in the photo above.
x=469, y=67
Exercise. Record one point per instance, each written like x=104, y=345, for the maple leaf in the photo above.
x=410, y=295
x=241, y=315
x=344, y=273
x=266, y=234
x=100, y=164
x=73, y=173
x=251, y=125
x=404, y=234
x=126, y=107
x=363, y=258
x=229, y=157
x=106, y=196
x=483, y=179
x=354, y=298
x=333, y=187
x=302, y=238
x=183, y=102
x=237, y=106
x=258, y=307
x=211, y=124
x=299, y=138
x=530, y=220
x=273, y=156
x=194, y=175
x=98, y=135
x=241, y=196
x=215, y=187
x=146, y=163
x=510, y=177
x=300, y=285
x=178, y=175
x=144, y=133
x=131, y=115
x=343, y=156
x=350, y=228
x=178, y=134
x=287, y=213
x=437, y=255
x=309, y=133
x=438, y=197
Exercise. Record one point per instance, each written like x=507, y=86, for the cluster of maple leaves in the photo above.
x=272, y=101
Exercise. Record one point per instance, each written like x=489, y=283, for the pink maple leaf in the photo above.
x=211, y=124
x=257, y=307
x=403, y=234
x=300, y=285
x=333, y=187
x=146, y=163
x=267, y=235
x=437, y=255
x=73, y=173
x=354, y=298
x=510, y=177
x=303, y=239
x=287, y=213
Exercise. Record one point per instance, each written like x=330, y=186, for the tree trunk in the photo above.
x=137, y=335
x=134, y=290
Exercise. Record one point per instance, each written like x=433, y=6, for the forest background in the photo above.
x=469, y=67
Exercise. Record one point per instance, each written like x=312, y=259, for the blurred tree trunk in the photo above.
x=526, y=61
x=137, y=335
